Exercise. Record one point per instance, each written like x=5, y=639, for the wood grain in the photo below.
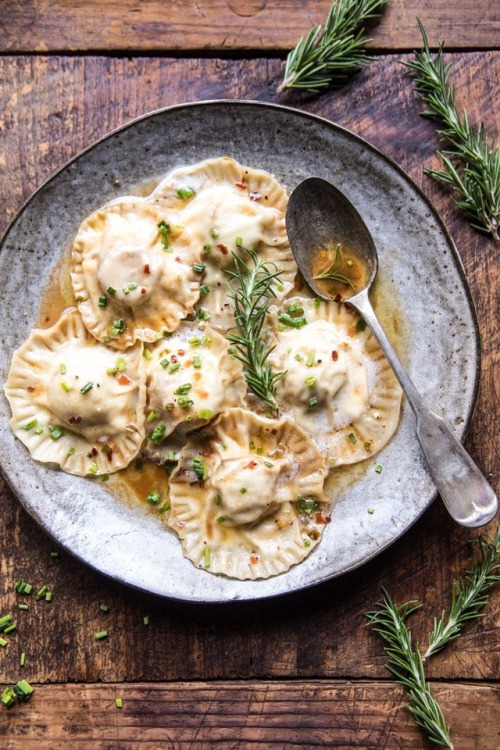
x=296, y=654
x=228, y=26
x=279, y=715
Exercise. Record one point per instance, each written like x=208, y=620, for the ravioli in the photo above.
x=337, y=384
x=133, y=275
x=224, y=207
x=76, y=403
x=191, y=379
x=247, y=496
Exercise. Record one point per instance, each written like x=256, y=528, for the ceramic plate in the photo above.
x=420, y=273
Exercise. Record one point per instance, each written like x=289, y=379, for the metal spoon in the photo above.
x=320, y=216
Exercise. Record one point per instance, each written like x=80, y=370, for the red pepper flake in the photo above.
x=202, y=394
x=173, y=359
x=143, y=290
x=124, y=380
x=321, y=517
x=337, y=298
x=181, y=352
x=251, y=465
x=254, y=559
x=179, y=260
x=335, y=355
x=240, y=185
x=146, y=268
x=197, y=376
x=223, y=248
x=75, y=419
x=30, y=388
x=255, y=196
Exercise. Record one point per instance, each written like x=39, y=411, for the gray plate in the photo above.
x=419, y=265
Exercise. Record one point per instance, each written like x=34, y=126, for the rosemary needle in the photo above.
x=251, y=292
x=328, y=55
x=472, y=167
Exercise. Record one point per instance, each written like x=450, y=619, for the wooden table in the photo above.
x=305, y=670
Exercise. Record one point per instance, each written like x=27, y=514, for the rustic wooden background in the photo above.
x=303, y=671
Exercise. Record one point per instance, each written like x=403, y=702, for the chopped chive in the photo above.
x=214, y=234
x=40, y=594
x=198, y=268
x=111, y=291
x=307, y=542
x=206, y=341
x=147, y=353
x=4, y=622
x=295, y=310
x=22, y=659
x=360, y=325
x=313, y=402
x=38, y=430
x=103, y=477
x=30, y=425
x=118, y=703
x=65, y=386
x=243, y=490
x=316, y=303
x=378, y=469
x=200, y=469
x=183, y=389
x=292, y=322
x=195, y=341
x=164, y=507
x=93, y=468
x=153, y=497
x=204, y=289
x=62, y=368
x=55, y=431
x=184, y=193
x=164, y=230
x=218, y=499
x=158, y=433
x=299, y=357
x=87, y=387
x=102, y=301
x=101, y=634
x=130, y=287
x=173, y=368
x=23, y=690
x=10, y=628
x=268, y=464
x=352, y=437
x=207, y=248
x=311, y=381
x=202, y=314
x=54, y=554
x=205, y=413
x=220, y=519
x=370, y=511
x=71, y=451
x=104, y=607
x=23, y=607
x=206, y=557
x=8, y=697
x=145, y=620
x=164, y=362
x=171, y=455
x=239, y=241
x=184, y=402
x=152, y=416
x=196, y=361
x=48, y=596
x=3, y=642
x=310, y=359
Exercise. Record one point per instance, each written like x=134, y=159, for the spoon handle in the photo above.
x=468, y=497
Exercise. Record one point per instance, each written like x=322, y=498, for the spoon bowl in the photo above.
x=321, y=220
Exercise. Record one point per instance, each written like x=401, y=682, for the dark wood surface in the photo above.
x=304, y=670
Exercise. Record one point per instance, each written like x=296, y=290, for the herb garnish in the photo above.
x=328, y=56
x=251, y=295
x=331, y=274
x=469, y=597
x=478, y=181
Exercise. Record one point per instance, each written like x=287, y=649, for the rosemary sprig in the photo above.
x=328, y=56
x=406, y=663
x=469, y=595
x=251, y=294
x=472, y=167
x=331, y=274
